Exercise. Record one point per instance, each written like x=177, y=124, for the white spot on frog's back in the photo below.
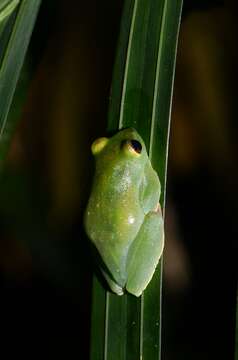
x=131, y=219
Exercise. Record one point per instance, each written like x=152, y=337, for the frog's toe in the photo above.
x=117, y=289
x=158, y=208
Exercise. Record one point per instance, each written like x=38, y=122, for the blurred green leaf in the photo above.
x=128, y=327
x=7, y=7
x=6, y=10
x=16, y=24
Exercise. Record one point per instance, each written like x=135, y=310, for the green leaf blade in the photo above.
x=13, y=54
x=141, y=98
x=6, y=9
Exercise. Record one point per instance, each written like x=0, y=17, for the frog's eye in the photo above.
x=136, y=146
x=133, y=146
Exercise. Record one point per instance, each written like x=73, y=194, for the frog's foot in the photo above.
x=145, y=253
x=117, y=289
x=158, y=208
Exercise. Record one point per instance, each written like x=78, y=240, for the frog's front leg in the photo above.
x=145, y=253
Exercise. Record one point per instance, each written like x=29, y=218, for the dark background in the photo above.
x=61, y=104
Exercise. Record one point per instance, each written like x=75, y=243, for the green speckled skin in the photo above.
x=123, y=217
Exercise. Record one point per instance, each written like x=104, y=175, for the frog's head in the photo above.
x=127, y=145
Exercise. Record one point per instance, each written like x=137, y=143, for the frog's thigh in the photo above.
x=145, y=253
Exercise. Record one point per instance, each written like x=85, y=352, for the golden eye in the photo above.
x=134, y=146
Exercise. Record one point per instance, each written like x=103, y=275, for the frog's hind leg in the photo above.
x=115, y=280
x=145, y=253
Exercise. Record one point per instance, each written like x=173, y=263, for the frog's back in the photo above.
x=114, y=207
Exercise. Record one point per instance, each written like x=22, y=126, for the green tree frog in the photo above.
x=123, y=217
